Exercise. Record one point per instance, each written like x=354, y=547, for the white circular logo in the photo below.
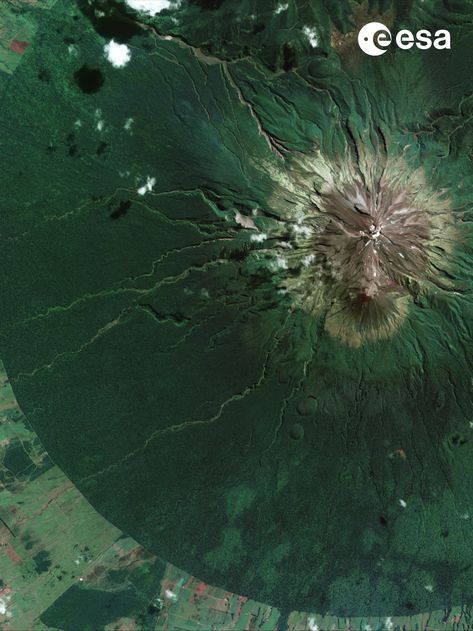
x=374, y=39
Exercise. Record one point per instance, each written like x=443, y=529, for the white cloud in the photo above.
x=117, y=54
x=279, y=263
x=313, y=626
x=281, y=7
x=259, y=238
x=312, y=36
x=99, y=122
x=148, y=186
x=3, y=605
x=151, y=7
x=304, y=231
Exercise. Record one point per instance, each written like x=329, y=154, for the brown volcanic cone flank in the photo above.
x=374, y=243
x=364, y=242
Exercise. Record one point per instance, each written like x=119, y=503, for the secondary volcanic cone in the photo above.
x=361, y=242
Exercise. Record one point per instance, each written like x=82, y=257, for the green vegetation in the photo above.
x=151, y=329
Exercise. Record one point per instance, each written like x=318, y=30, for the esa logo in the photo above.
x=375, y=38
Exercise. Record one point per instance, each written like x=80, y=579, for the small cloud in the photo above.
x=403, y=503
x=313, y=626
x=303, y=231
x=99, y=122
x=151, y=7
x=259, y=238
x=128, y=123
x=117, y=54
x=4, y=604
x=279, y=263
x=148, y=186
x=282, y=6
x=312, y=36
